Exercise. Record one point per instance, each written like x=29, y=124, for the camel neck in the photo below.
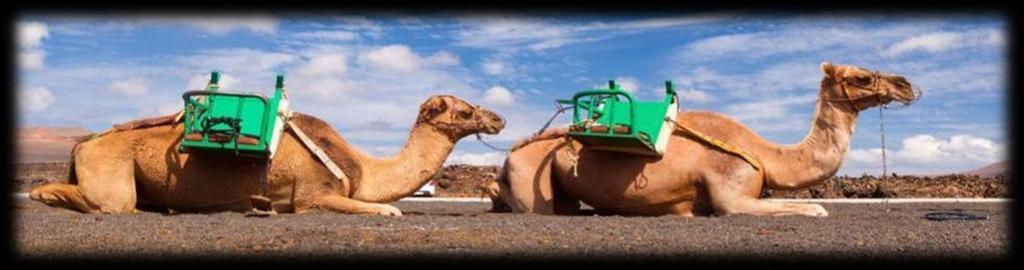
x=390, y=179
x=821, y=152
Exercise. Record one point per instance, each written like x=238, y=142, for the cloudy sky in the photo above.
x=366, y=74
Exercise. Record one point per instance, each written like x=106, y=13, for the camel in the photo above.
x=551, y=174
x=123, y=171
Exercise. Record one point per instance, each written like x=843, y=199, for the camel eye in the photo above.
x=465, y=114
x=863, y=80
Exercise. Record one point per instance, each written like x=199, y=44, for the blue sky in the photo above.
x=367, y=73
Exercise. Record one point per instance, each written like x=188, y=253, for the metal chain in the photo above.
x=559, y=111
x=492, y=147
x=881, y=124
x=881, y=132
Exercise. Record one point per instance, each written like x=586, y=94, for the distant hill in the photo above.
x=992, y=170
x=40, y=144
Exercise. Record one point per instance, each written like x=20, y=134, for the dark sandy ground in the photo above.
x=440, y=231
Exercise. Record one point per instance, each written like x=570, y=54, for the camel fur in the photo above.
x=550, y=174
x=125, y=170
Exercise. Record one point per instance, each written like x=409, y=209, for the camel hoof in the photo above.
x=817, y=210
x=387, y=210
x=260, y=213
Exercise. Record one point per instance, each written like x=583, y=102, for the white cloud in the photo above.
x=386, y=151
x=221, y=24
x=31, y=34
x=926, y=154
x=327, y=64
x=30, y=39
x=776, y=108
x=629, y=84
x=392, y=58
x=505, y=66
x=480, y=159
x=500, y=96
x=798, y=77
x=360, y=24
x=31, y=59
x=163, y=107
x=838, y=39
x=513, y=33
x=944, y=41
x=493, y=67
x=130, y=87
x=199, y=81
x=328, y=35
x=35, y=99
x=253, y=69
x=443, y=58
x=239, y=60
x=933, y=42
x=695, y=96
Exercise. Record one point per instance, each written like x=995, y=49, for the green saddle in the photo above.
x=614, y=120
x=244, y=123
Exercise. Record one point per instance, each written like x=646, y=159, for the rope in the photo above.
x=724, y=146
x=559, y=111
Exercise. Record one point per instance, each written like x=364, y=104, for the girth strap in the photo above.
x=319, y=153
x=725, y=146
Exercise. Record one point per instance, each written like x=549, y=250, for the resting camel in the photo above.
x=121, y=170
x=543, y=175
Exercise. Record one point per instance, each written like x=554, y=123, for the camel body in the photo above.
x=122, y=171
x=549, y=174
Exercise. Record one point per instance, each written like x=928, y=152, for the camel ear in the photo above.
x=828, y=69
x=432, y=107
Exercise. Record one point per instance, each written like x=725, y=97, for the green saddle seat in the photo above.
x=244, y=123
x=614, y=120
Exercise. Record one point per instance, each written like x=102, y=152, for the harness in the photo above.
x=876, y=92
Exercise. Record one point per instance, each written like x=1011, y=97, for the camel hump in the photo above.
x=550, y=133
x=148, y=122
x=327, y=139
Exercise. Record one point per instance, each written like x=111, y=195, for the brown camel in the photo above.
x=693, y=177
x=123, y=170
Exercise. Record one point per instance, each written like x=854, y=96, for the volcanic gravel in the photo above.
x=465, y=181
x=463, y=230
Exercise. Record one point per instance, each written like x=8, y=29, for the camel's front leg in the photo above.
x=738, y=194
x=338, y=203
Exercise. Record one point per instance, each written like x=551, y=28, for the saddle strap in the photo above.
x=319, y=153
x=725, y=146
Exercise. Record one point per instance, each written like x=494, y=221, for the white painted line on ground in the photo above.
x=442, y=199
x=898, y=200
x=24, y=196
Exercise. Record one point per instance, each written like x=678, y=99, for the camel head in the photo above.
x=458, y=118
x=864, y=89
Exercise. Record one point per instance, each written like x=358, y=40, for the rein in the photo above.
x=560, y=110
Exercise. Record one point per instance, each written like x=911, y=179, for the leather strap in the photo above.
x=725, y=146
x=319, y=153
